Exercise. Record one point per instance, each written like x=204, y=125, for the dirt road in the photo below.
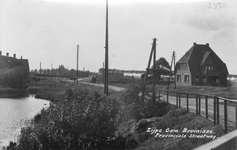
x=115, y=88
x=192, y=106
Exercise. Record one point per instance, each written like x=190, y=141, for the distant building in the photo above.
x=112, y=72
x=121, y=73
x=11, y=62
x=201, y=66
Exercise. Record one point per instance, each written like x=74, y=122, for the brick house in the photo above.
x=11, y=62
x=201, y=66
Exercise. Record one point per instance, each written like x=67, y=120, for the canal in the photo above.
x=13, y=115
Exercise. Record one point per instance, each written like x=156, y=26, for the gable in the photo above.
x=200, y=55
x=208, y=60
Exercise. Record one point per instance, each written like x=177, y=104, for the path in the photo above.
x=192, y=105
x=115, y=88
x=192, y=108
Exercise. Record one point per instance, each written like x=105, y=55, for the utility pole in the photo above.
x=174, y=55
x=106, y=91
x=77, y=60
x=40, y=68
x=154, y=69
x=153, y=51
x=172, y=62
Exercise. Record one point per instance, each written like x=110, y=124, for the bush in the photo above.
x=17, y=77
x=136, y=109
x=78, y=120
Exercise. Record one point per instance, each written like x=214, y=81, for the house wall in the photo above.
x=210, y=69
x=183, y=73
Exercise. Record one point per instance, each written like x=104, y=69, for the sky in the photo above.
x=48, y=31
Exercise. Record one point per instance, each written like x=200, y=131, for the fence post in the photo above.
x=159, y=95
x=177, y=93
x=187, y=103
x=199, y=103
x=225, y=115
x=206, y=98
x=214, y=109
x=196, y=104
x=179, y=100
x=217, y=111
x=236, y=115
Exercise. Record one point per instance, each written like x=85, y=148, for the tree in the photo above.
x=162, y=68
x=17, y=77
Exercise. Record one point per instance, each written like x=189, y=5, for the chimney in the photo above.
x=0, y=53
x=14, y=55
x=207, y=44
x=194, y=43
x=7, y=54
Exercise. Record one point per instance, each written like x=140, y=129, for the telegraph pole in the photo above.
x=172, y=62
x=106, y=91
x=154, y=69
x=174, y=55
x=40, y=67
x=153, y=52
x=77, y=60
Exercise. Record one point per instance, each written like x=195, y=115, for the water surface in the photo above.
x=14, y=112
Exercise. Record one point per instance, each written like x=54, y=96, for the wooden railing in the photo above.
x=214, y=115
x=226, y=142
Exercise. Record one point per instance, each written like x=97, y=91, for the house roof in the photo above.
x=11, y=62
x=205, y=56
x=197, y=55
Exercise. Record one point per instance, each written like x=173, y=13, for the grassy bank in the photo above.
x=12, y=92
x=53, y=90
x=141, y=136
x=81, y=117
x=226, y=92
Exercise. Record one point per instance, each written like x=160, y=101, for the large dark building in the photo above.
x=11, y=62
x=201, y=66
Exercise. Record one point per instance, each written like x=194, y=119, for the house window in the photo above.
x=178, y=78
x=183, y=66
x=209, y=68
x=186, y=78
x=203, y=79
x=197, y=79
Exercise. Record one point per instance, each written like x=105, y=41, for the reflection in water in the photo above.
x=13, y=115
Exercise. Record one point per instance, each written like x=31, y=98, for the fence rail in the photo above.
x=205, y=101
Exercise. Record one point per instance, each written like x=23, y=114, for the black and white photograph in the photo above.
x=118, y=75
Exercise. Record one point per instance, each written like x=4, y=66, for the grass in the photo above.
x=7, y=92
x=132, y=119
x=176, y=119
x=226, y=92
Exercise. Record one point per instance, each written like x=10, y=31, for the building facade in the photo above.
x=9, y=62
x=201, y=66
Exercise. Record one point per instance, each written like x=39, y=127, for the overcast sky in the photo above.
x=48, y=31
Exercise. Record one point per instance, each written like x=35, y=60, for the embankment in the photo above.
x=12, y=92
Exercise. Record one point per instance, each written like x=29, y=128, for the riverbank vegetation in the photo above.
x=13, y=82
x=81, y=117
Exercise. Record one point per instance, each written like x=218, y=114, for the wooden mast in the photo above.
x=106, y=91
